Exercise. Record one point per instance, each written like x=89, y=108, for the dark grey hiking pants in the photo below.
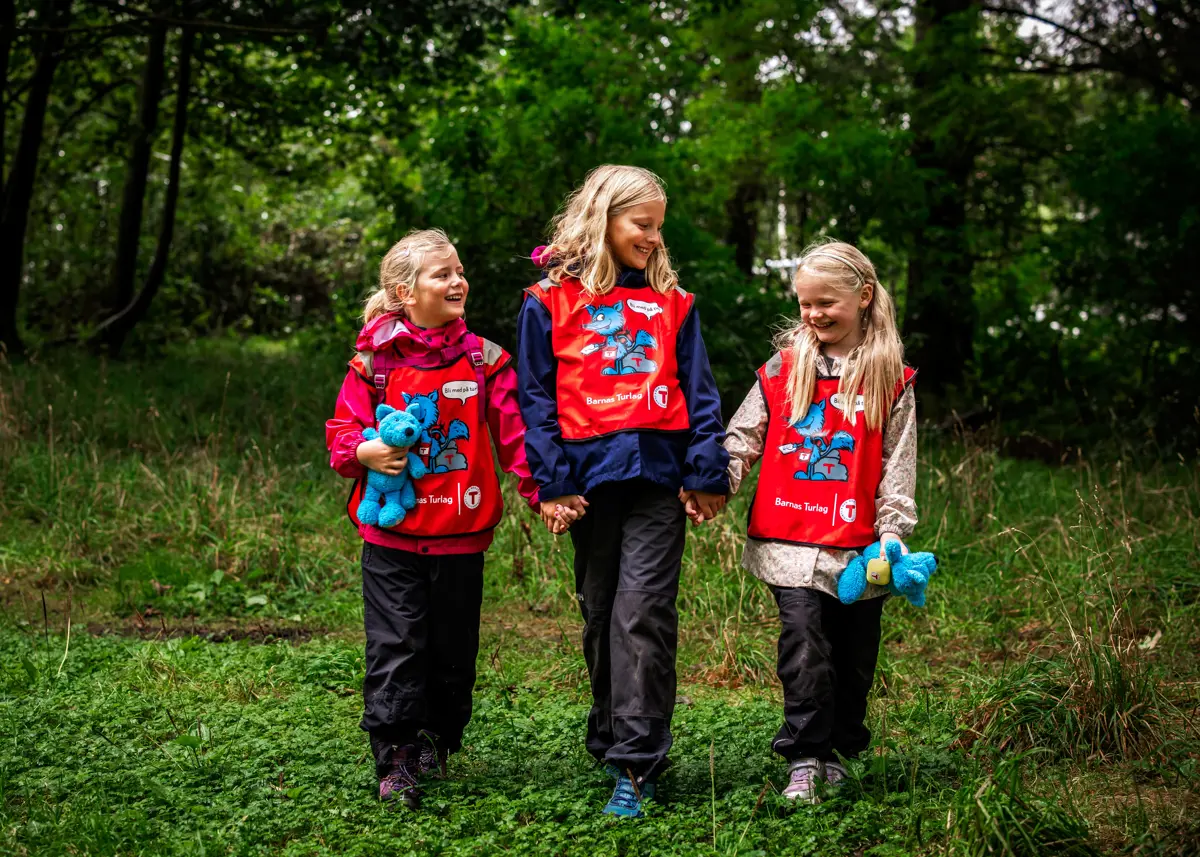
x=628, y=549
x=421, y=615
x=827, y=655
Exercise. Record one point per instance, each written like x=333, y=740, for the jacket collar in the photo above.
x=393, y=329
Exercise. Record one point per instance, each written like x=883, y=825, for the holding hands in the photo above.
x=701, y=506
x=559, y=513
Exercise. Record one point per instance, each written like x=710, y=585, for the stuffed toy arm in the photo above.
x=416, y=467
x=910, y=572
x=853, y=582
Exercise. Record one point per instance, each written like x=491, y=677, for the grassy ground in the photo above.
x=180, y=652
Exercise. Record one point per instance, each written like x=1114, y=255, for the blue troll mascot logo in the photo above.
x=625, y=348
x=441, y=440
x=820, y=460
x=395, y=493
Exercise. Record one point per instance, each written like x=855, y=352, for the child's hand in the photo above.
x=891, y=537
x=559, y=513
x=378, y=456
x=701, y=506
x=710, y=504
x=690, y=507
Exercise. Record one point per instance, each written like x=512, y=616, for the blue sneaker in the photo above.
x=629, y=797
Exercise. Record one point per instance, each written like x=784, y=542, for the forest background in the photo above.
x=196, y=196
x=1025, y=176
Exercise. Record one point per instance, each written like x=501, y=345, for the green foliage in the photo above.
x=1000, y=818
x=166, y=511
x=1048, y=219
x=1097, y=702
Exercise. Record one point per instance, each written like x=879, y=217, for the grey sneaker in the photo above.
x=834, y=774
x=803, y=775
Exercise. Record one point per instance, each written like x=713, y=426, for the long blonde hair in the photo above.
x=580, y=242
x=874, y=366
x=399, y=269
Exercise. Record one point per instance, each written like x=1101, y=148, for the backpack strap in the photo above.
x=386, y=361
x=475, y=353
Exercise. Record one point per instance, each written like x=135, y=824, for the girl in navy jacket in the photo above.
x=624, y=439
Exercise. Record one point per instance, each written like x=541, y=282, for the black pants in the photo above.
x=827, y=655
x=628, y=550
x=422, y=621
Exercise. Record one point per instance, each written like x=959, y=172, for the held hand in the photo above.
x=560, y=512
x=710, y=504
x=701, y=506
x=378, y=456
x=884, y=540
x=690, y=507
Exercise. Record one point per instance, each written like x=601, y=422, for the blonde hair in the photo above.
x=399, y=269
x=580, y=242
x=875, y=366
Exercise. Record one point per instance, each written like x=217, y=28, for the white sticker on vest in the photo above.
x=836, y=401
x=649, y=310
x=461, y=390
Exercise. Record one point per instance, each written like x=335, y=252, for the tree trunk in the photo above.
x=743, y=209
x=116, y=329
x=940, y=307
x=8, y=30
x=133, y=199
x=18, y=190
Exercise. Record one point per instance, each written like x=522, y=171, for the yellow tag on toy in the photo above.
x=879, y=572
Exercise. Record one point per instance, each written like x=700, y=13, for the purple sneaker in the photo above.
x=803, y=775
x=835, y=774
x=400, y=782
x=433, y=761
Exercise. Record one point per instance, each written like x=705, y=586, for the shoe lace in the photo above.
x=803, y=775
x=626, y=793
x=402, y=775
x=430, y=758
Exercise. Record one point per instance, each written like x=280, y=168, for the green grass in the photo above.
x=182, y=519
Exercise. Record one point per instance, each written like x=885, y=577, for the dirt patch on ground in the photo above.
x=254, y=632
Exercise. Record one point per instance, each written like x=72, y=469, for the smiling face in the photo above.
x=635, y=233
x=439, y=295
x=833, y=314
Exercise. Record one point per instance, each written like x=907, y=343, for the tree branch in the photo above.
x=96, y=98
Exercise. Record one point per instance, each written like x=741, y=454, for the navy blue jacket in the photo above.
x=695, y=460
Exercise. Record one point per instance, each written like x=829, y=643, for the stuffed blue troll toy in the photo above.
x=910, y=573
x=396, y=428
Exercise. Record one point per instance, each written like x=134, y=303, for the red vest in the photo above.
x=819, y=478
x=461, y=493
x=617, y=369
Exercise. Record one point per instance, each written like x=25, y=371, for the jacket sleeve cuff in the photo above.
x=708, y=485
x=556, y=489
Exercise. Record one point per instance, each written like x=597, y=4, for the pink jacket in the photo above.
x=355, y=411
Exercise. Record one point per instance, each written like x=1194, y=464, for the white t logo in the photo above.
x=472, y=496
x=849, y=511
x=660, y=395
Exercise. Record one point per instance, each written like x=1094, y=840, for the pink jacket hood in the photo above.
x=394, y=329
